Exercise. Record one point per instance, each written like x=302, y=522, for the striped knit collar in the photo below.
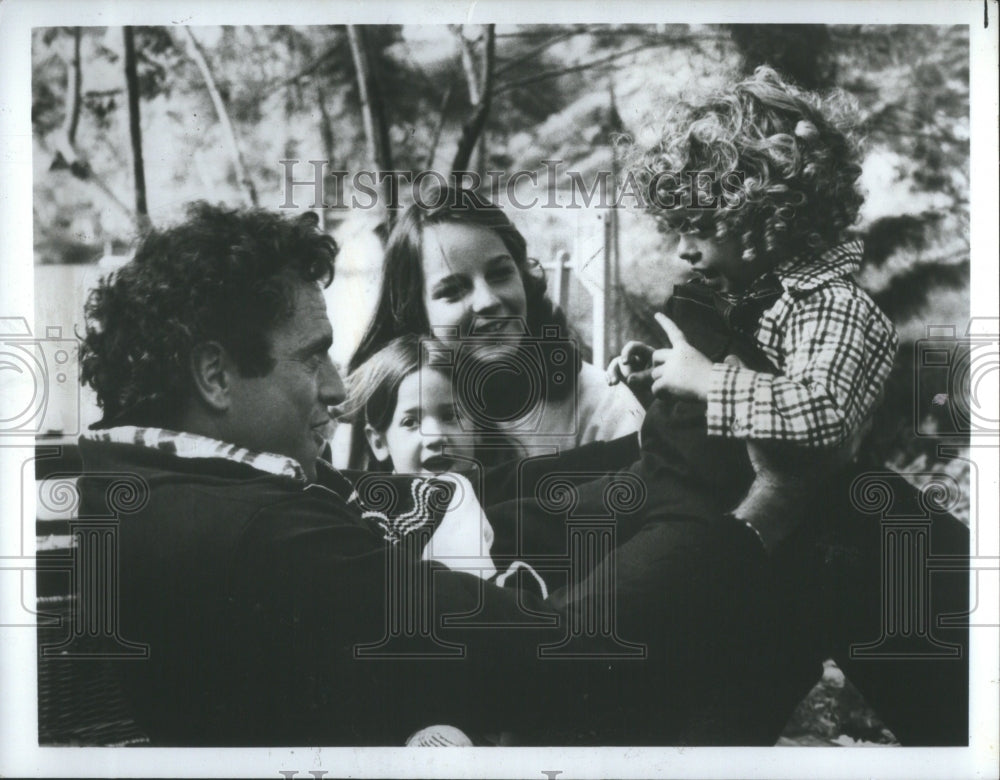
x=835, y=263
x=191, y=445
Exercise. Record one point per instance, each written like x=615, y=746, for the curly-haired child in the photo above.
x=760, y=184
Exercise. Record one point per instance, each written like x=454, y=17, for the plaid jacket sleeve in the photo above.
x=835, y=350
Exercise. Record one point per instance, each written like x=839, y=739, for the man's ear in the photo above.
x=378, y=444
x=211, y=369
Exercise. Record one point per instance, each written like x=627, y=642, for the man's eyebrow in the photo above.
x=320, y=343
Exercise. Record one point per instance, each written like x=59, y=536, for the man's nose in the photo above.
x=688, y=250
x=331, y=387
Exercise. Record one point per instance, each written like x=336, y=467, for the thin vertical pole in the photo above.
x=135, y=131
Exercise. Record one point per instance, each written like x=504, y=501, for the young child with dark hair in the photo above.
x=407, y=406
x=759, y=184
x=406, y=402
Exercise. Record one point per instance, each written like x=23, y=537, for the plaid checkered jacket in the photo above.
x=833, y=349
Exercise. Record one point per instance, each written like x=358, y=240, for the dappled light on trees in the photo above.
x=218, y=108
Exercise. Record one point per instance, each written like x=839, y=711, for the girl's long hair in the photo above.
x=400, y=309
x=373, y=387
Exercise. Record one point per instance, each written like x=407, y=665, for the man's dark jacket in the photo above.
x=255, y=592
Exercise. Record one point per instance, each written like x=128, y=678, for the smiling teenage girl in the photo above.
x=457, y=268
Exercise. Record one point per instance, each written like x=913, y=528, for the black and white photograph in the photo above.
x=602, y=390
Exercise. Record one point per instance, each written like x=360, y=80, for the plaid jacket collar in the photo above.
x=835, y=263
x=191, y=445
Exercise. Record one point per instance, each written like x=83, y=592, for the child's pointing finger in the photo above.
x=674, y=333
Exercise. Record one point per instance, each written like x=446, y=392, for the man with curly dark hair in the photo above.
x=219, y=327
x=273, y=610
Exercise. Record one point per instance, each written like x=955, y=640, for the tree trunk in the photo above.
x=197, y=54
x=67, y=156
x=438, y=127
x=373, y=115
x=615, y=126
x=473, y=128
x=135, y=131
x=468, y=65
x=329, y=146
x=75, y=87
x=361, y=70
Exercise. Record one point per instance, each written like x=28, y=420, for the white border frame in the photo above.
x=18, y=709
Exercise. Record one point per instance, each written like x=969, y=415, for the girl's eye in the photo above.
x=502, y=272
x=409, y=422
x=451, y=292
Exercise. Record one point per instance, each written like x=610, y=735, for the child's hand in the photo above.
x=680, y=369
x=633, y=364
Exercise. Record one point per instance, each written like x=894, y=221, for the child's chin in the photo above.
x=716, y=283
x=442, y=467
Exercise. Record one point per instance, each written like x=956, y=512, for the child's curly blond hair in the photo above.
x=778, y=164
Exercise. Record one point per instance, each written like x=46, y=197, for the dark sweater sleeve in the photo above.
x=364, y=621
x=517, y=478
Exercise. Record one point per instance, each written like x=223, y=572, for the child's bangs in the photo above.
x=694, y=203
x=689, y=220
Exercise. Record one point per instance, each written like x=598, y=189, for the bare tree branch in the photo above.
x=438, y=127
x=528, y=56
x=308, y=70
x=373, y=114
x=197, y=54
x=96, y=93
x=361, y=70
x=326, y=134
x=74, y=88
x=473, y=129
x=134, y=128
x=555, y=73
x=66, y=156
x=370, y=96
x=468, y=64
x=326, y=124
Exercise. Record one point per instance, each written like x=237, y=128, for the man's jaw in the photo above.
x=322, y=432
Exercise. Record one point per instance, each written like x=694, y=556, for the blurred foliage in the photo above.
x=804, y=53
x=559, y=92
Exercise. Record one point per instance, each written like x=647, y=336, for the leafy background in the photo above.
x=215, y=109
